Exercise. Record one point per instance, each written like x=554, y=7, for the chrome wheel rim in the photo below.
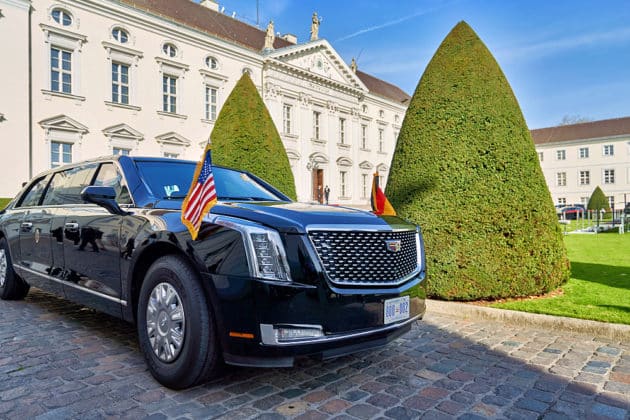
x=3, y=267
x=166, y=322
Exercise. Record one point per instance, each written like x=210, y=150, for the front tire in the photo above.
x=176, y=326
x=12, y=287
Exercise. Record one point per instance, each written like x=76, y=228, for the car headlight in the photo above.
x=265, y=252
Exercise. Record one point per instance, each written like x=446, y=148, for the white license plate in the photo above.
x=396, y=309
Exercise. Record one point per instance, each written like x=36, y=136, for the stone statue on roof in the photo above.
x=270, y=36
x=315, y=21
x=353, y=65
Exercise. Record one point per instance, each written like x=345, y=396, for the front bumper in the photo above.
x=270, y=352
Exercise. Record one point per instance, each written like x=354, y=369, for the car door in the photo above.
x=35, y=262
x=91, y=247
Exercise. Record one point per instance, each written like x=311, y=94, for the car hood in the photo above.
x=299, y=217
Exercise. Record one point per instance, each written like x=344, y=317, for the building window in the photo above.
x=60, y=154
x=562, y=201
x=381, y=139
x=120, y=83
x=62, y=17
x=364, y=136
x=121, y=151
x=210, y=111
x=171, y=155
x=120, y=35
x=584, y=201
x=212, y=63
x=381, y=113
x=342, y=183
x=364, y=185
x=609, y=150
x=364, y=108
x=585, y=177
x=611, y=201
x=540, y=156
x=342, y=130
x=286, y=118
x=169, y=94
x=169, y=50
x=609, y=176
x=561, y=154
x=561, y=179
x=316, y=118
x=60, y=70
x=583, y=152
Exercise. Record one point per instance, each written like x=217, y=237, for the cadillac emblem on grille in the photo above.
x=393, y=246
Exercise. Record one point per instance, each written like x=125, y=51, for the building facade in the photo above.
x=149, y=77
x=579, y=157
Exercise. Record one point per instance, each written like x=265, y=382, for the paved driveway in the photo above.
x=59, y=360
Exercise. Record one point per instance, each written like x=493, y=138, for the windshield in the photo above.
x=171, y=180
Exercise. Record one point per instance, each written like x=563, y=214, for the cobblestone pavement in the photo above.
x=60, y=360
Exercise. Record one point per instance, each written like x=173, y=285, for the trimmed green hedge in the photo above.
x=245, y=137
x=465, y=169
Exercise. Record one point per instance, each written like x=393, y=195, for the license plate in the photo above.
x=396, y=309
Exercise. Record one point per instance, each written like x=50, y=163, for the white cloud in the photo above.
x=388, y=23
x=553, y=46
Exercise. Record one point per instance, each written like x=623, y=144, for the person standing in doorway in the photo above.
x=326, y=193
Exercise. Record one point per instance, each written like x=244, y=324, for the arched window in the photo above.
x=120, y=35
x=169, y=50
x=62, y=17
x=212, y=63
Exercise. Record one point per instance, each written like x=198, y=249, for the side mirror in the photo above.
x=104, y=197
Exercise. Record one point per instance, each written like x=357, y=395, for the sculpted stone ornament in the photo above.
x=270, y=36
x=353, y=65
x=315, y=21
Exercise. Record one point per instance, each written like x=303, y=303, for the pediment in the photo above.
x=63, y=122
x=319, y=58
x=344, y=161
x=366, y=165
x=124, y=131
x=293, y=154
x=173, y=138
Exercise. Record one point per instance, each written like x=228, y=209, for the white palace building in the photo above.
x=86, y=78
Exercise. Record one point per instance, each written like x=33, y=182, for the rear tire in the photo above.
x=176, y=326
x=12, y=287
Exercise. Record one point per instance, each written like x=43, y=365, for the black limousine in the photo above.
x=267, y=279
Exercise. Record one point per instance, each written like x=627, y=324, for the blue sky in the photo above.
x=562, y=58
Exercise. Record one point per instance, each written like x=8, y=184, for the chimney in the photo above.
x=290, y=38
x=210, y=4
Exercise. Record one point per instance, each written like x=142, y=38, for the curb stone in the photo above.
x=618, y=332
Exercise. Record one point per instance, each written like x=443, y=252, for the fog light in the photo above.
x=293, y=333
x=276, y=334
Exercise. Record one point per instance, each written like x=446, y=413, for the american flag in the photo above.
x=201, y=196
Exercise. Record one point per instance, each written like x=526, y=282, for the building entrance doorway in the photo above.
x=318, y=185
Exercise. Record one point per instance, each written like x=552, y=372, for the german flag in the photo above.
x=380, y=204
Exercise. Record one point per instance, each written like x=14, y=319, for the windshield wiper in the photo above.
x=175, y=197
x=222, y=198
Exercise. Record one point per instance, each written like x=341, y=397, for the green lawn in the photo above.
x=599, y=288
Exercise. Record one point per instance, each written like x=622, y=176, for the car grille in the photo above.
x=363, y=258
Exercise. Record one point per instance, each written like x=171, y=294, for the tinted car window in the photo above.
x=108, y=176
x=34, y=194
x=66, y=186
x=171, y=180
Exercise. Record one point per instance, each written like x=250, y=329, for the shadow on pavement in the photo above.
x=61, y=360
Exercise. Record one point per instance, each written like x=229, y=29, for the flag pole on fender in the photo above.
x=380, y=204
x=202, y=194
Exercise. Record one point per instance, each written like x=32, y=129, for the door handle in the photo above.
x=26, y=226
x=72, y=226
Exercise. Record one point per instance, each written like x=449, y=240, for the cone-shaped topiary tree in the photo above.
x=245, y=137
x=598, y=202
x=465, y=169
